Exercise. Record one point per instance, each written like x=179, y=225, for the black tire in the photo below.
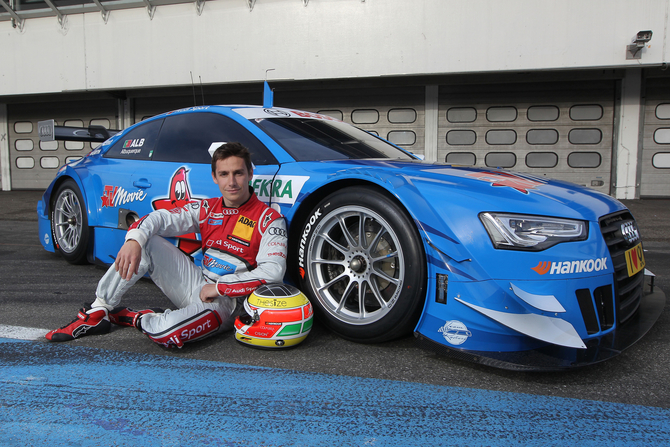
x=366, y=292
x=69, y=224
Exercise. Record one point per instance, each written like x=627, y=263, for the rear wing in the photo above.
x=48, y=131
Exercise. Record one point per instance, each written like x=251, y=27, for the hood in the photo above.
x=498, y=189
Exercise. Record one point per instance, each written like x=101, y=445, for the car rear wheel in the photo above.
x=362, y=264
x=69, y=223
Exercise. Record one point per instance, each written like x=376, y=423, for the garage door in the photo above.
x=394, y=113
x=558, y=130
x=33, y=164
x=655, y=162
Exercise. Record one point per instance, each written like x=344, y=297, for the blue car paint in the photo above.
x=454, y=240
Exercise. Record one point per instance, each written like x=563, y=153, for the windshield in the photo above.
x=315, y=140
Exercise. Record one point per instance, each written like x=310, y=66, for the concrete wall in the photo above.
x=229, y=42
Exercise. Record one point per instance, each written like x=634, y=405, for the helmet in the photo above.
x=279, y=316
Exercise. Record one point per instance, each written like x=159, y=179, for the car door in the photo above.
x=118, y=176
x=180, y=166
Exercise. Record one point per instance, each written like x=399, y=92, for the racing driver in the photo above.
x=244, y=246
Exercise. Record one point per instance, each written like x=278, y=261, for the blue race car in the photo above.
x=487, y=265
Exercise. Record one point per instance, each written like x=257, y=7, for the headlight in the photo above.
x=523, y=232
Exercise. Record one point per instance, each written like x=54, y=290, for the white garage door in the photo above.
x=655, y=162
x=33, y=164
x=396, y=114
x=558, y=130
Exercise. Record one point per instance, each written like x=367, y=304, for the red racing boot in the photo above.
x=88, y=322
x=125, y=316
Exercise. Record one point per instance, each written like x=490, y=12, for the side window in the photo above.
x=138, y=144
x=186, y=138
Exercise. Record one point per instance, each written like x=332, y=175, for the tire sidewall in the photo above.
x=79, y=254
x=404, y=314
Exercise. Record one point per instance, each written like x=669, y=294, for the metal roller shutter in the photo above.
x=655, y=162
x=396, y=114
x=33, y=164
x=559, y=130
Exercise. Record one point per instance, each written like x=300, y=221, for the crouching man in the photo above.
x=244, y=246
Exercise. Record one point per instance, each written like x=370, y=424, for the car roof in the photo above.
x=252, y=112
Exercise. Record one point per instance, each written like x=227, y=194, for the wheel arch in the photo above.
x=307, y=205
x=91, y=214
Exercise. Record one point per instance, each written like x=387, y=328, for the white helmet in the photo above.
x=279, y=316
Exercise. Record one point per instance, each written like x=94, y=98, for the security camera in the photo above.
x=642, y=38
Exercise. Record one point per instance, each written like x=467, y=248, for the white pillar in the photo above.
x=4, y=149
x=628, y=135
x=430, y=125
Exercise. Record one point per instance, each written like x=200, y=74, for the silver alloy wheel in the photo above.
x=67, y=221
x=357, y=280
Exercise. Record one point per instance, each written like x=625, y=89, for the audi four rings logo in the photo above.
x=275, y=112
x=629, y=232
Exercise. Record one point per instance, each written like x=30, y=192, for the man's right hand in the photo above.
x=128, y=260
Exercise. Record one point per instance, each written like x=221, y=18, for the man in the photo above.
x=244, y=246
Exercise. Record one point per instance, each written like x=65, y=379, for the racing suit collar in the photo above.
x=251, y=196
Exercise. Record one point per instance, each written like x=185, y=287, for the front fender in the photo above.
x=44, y=210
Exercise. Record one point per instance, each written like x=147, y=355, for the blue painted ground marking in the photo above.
x=58, y=394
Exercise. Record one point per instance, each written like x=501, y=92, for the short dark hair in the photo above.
x=231, y=150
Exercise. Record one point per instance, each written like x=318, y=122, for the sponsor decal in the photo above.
x=130, y=151
x=225, y=244
x=189, y=109
x=218, y=266
x=215, y=222
x=455, y=332
x=303, y=240
x=304, y=114
x=139, y=142
x=188, y=334
x=114, y=196
x=244, y=228
x=230, y=237
x=270, y=302
x=635, y=260
x=514, y=181
x=565, y=267
x=179, y=192
x=179, y=195
x=257, y=333
x=278, y=253
x=279, y=189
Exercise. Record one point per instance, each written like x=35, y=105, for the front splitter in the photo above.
x=556, y=358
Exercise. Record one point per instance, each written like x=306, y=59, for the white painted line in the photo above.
x=22, y=333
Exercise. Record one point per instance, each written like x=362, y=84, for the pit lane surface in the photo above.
x=121, y=388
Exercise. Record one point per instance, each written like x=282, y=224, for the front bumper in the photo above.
x=44, y=226
x=553, y=357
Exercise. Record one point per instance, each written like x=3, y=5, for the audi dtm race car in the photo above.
x=488, y=265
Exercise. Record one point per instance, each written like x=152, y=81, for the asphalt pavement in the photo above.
x=40, y=290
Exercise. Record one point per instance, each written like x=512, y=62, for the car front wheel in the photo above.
x=362, y=264
x=69, y=223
